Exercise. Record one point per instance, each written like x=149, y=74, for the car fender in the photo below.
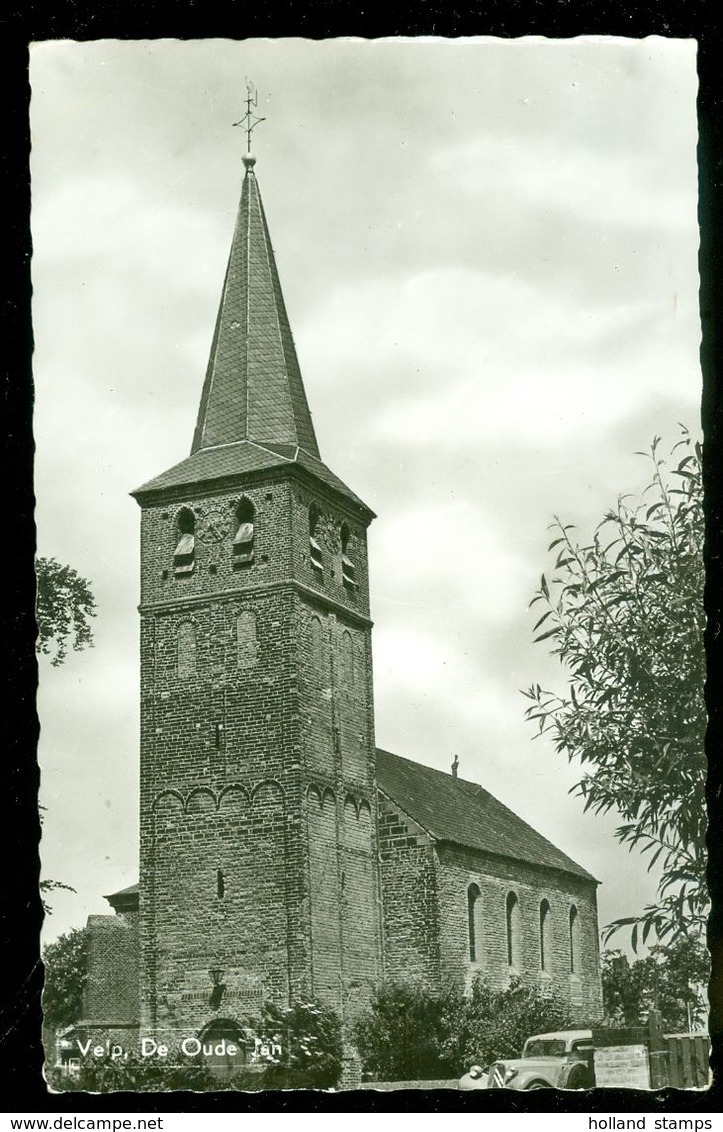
x=524, y=1079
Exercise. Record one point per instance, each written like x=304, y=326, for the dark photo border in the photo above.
x=21, y=1052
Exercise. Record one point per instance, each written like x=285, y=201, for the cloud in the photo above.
x=484, y=579
x=452, y=356
x=595, y=185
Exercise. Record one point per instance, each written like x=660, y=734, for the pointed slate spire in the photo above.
x=253, y=388
x=254, y=415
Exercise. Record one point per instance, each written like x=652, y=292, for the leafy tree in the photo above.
x=47, y=886
x=670, y=979
x=407, y=1033
x=626, y=988
x=64, y=606
x=624, y=614
x=66, y=969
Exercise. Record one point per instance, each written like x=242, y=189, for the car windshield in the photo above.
x=544, y=1047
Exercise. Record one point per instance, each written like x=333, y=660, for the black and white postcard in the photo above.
x=370, y=563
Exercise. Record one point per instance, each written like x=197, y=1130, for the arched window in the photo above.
x=545, y=936
x=317, y=645
x=474, y=923
x=347, y=655
x=513, y=930
x=574, y=940
x=246, y=643
x=348, y=571
x=243, y=543
x=314, y=549
x=184, y=554
x=186, y=650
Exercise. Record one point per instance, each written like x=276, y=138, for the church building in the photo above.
x=282, y=855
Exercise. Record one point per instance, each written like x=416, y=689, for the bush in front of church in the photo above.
x=412, y=1034
x=407, y=1034
x=310, y=1040
x=495, y=1024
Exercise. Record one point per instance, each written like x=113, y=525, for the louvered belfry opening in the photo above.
x=243, y=543
x=315, y=555
x=184, y=554
x=348, y=570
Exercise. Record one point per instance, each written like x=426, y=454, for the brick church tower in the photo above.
x=259, y=859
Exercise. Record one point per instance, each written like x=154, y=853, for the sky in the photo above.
x=488, y=251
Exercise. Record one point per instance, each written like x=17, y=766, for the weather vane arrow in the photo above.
x=250, y=121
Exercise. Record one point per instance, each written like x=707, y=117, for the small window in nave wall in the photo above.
x=186, y=650
x=545, y=936
x=514, y=949
x=246, y=641
x=474, y=923
x=574, y=924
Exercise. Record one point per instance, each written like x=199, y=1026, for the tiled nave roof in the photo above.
x=451, y=809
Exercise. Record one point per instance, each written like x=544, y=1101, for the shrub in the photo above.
x=311, y=1043
x=496, y=1024
x=411, y=1034
x=407, y=1033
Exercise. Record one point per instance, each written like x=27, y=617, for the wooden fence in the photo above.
x=676, y=1061
x=687, y=1058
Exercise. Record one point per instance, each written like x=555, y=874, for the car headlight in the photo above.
x=510, y=1072
x=475, y=1071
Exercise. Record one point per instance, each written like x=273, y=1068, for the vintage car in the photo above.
x=561, y=1060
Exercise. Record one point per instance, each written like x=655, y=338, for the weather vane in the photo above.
x=249, y=120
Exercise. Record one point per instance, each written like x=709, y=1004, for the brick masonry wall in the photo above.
x=337, y=714
x=622, y=1067
x=239, y=926
x=410, y=899
x=360, y=924
x=111, y=988
x=496, y=877
x=281, y=542
x=220, y=800
x=343, y=891
x=426, y=917
x=215, y=514
x=332, y=513
x=256, y=692
x=324, y=886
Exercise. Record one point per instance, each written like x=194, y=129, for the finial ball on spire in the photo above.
x=249, y=160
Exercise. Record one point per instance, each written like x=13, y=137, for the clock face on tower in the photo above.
x=214, y=525
x=330, y=535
